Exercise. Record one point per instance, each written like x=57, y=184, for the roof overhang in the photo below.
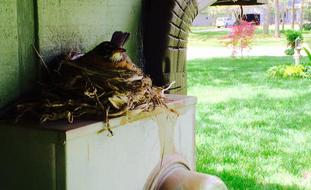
x=239, y=2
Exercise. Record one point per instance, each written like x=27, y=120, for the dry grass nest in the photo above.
x=71, y=91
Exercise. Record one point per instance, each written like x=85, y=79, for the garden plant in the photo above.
x=291, y=36
x=240, y=36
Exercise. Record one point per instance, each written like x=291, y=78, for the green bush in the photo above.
x=276, y=71
x=289, y=71
x=307, y=26
x=289, y=51
x=308, y=70
x=291, y=36
x=308, y=54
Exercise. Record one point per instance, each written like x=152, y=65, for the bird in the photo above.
x=109, y=55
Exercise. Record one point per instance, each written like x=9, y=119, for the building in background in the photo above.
x=207, y=15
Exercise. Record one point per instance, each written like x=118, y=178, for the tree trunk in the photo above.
x=301, y=15
x=293, y=15
x=266, y=19
x=241, y=14
x=276, y=19
x=283, y=14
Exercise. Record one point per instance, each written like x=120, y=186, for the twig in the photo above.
x=169, y=87
x=41, y=59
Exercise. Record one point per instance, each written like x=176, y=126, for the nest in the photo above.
x=72, y=91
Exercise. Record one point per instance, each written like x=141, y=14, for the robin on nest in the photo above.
x=109, y=55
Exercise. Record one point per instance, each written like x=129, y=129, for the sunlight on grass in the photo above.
x=252, y=132
x=211, y=94
x=200, y=37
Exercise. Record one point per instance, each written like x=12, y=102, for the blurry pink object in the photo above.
x=240, y=36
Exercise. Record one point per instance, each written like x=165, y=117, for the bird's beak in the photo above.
x=119, y=50
x=117, y=55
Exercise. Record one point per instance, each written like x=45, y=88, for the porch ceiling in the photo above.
x=239, y=2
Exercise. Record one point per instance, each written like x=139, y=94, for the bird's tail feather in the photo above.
x=119, y=38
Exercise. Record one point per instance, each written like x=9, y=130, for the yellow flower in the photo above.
x=294, y=70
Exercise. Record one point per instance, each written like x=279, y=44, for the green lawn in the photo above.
x=252, y=132
x=199, y=38
x=307, y=37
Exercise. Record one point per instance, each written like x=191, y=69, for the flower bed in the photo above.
x=290, y=71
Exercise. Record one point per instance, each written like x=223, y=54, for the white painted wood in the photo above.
x=76, y=157
x=125, y=161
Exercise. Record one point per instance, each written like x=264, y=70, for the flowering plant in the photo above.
x=289, y=71
x=240, y=36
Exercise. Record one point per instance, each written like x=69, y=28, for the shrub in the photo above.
x=308, y=54
x=290, y=71
x=291, y=36
x=307, y=26
x=294, y=71
x=240, y=36
x=289, y=51
x=276, y=71
x=308, y=70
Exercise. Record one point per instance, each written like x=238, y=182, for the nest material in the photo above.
x=72, y=91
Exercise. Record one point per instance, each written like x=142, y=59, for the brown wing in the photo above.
x=92, y=60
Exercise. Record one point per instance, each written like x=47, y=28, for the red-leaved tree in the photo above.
x=240, y=36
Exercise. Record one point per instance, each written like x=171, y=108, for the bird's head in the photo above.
x=110, y=51
x=113, y=50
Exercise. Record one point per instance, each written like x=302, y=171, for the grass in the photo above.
x=199, y=38
x=252, y=132
x=307, y=37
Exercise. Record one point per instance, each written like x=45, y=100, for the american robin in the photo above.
x=109, y=55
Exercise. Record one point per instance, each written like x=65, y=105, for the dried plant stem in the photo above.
x=75, y=91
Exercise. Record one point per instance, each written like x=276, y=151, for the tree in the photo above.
x=240, y=37
x=276, y=19
x=301, y=14
x=308, y=11
x=266, y=22
x=283, y=14
x=293, y=15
